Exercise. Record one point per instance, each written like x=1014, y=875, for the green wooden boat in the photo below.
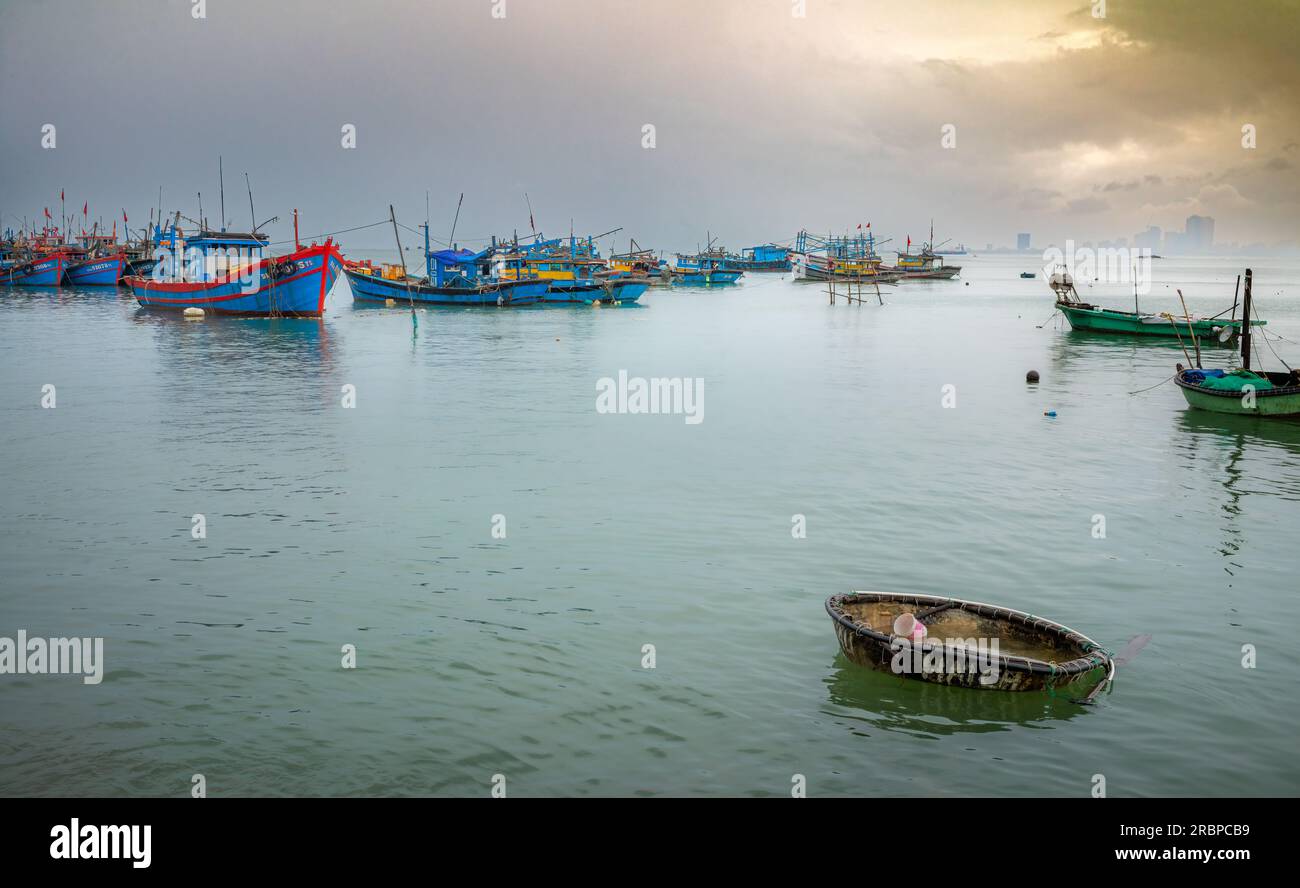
x=1086, y=316
x=1241, y=392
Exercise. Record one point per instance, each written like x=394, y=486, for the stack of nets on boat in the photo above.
x=1230, y=381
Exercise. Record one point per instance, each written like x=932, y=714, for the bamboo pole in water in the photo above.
x=1190, y=332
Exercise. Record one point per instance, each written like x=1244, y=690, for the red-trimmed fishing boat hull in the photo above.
x=285, y=286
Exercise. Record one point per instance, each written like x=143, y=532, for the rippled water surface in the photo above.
x=479, y=656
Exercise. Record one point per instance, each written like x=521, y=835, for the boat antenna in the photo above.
x=252, y=218
x=531, y=225
x=221, y=179
x=202, y=223
x=451, y=242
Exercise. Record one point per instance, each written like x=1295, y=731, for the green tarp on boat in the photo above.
x=1235, y=381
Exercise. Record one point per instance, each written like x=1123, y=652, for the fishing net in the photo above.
x=1236, y=381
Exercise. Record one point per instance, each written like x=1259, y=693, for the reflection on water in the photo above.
x=1241, y=456
x=921, y=708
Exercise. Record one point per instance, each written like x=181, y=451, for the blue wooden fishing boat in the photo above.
x=705, y=269
x=43, y=271
x=227, y=273
x=576, y=272
x=764, y=258
x=97, y=271
x=454, y=277
x=36, y=260
x=97, y=261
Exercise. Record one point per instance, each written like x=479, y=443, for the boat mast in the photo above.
x=1245, y=324
x=252, y=218
x=221, y=180
x=451, y=242
x=406, y=278
x=397, y=237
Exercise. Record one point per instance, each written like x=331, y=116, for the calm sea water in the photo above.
x=478, y=656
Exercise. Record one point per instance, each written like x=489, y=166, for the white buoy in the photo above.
x=194, y=312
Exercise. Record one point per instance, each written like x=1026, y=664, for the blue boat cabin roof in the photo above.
x=209, y=239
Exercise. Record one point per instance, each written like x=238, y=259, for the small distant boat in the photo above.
x=1240, y=391
x=1032, y=653
x=1028, y=275
x=1086, y=316
x=226, y=273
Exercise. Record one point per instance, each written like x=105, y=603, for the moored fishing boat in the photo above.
x=1093, y=318
x=704, y=269
x=97, y=260
x=813, y=269
x=227, y=273
x=964, y=643
x=850, y=259
x=454, y=278
x=575, y=272
x=637, y=262
x=37, y=260
x=97, y=270
x=762, y=258
x=925, y=265
x=44, y=271
x=1240, y=391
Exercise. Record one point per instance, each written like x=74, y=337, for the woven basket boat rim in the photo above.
x=1096, y=656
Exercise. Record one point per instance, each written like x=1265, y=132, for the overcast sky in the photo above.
x=1067, y=125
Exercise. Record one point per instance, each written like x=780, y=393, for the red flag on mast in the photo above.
x=85, y=208
x=47, y=213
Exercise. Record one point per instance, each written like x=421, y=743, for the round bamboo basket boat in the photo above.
x=1031, y=653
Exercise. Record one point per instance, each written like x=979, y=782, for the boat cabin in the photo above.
x=209, y=255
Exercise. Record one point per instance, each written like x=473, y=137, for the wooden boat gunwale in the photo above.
x=1096, y=655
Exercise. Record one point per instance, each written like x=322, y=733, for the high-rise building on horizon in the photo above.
x=1149, y=239
x=1200, y=234
x=1022, y=242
